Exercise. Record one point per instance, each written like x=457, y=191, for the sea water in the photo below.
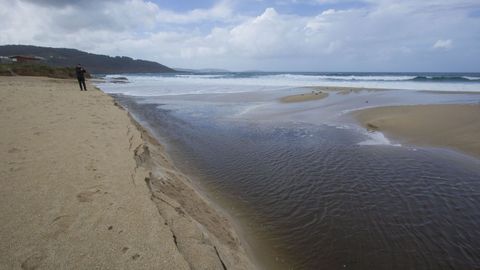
x=310, y=188
x=232, y=82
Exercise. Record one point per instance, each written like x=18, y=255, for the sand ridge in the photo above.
x=76, y=188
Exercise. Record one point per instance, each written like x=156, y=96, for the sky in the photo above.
x=270, y=35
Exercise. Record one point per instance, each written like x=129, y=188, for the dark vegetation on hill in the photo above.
x=94, y=63
x=37, y=69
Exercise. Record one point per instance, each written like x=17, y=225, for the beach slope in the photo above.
x=76, y=189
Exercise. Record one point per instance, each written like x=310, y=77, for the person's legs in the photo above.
x=84, y=85
x=80, y=83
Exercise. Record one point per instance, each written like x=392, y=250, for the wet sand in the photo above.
x=321, y=92
x=84, y=187
x=314, y=95
x=453, y=126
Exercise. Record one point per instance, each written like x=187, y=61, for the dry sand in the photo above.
x=83, y=187
x=446, y=125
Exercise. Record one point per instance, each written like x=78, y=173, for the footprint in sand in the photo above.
x=34, y=261
x=91, y=166
x=99, y=176
x=61, y=224
x=88, y=195
x=13, y=150
x=15, y=169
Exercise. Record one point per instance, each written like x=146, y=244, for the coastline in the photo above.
x=85, y=185
x=454, y=126
x=200, y=220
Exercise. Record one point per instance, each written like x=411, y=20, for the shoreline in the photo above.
x=189, y=198
x=257, y=250
x=92, y=188
x=452, y=126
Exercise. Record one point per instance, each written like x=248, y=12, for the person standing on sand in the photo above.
x=80, y=71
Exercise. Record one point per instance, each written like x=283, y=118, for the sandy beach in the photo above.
x=453, y=126
x=85, y=187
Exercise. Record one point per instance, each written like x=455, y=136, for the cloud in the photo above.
x=63, y=3
x=382, y=35
x=443, y=44
x=221, y=11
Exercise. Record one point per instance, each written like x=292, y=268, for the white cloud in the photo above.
x=221, y=11
x=443, y=44
x=268, y=35
x=382, y=35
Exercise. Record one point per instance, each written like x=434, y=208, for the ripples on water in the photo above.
x=321, y=201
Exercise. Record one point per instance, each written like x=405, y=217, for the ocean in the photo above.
x=233, y=82
x=309, y=187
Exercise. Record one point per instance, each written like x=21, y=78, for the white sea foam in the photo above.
x=373, y=138
x=150, y=85
x=377, y=138
x=300, y=77
x=204, y=76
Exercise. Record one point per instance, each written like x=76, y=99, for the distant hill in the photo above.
x=94, y=63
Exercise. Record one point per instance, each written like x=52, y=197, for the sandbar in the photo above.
x=454, y=126
x=314, y=95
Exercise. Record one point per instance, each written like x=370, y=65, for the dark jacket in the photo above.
x=80, y=73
